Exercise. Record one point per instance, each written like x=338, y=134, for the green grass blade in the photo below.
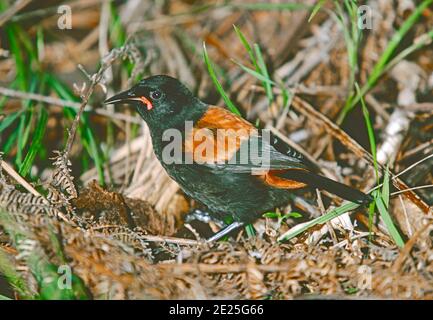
x=217, y=84
x=395, y=41
x=271, y=215
x=421, y=41
x=316, y=9
x=251, y=232
x=247, y=46
x=25, y=124
x=385, y=188
x=36, y=143
x=40, y=43
x=371, y=211
x=20, y=139
x=17, y=53
x=370, y=132
x=257, y=60
x=99, y=162
x=264, y=71
x=26, y=134
x=117, y=34
x=319, y=220
x=373, y=147
x=383, y=211
x=9, y=120
x=381, y=65
x=10, y=142
x=255, y=73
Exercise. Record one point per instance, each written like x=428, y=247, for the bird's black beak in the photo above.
x=123, y=97
x=128, y=96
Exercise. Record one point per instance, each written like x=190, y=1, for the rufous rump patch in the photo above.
x=272, y=179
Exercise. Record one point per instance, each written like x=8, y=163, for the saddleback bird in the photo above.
x=240, y=188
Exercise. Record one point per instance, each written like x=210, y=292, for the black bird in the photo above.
x=211, y=164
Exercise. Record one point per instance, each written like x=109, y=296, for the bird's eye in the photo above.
x=155, y=95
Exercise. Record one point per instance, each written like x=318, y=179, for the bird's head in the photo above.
x=162, y=101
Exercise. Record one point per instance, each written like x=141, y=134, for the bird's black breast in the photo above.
x=242, y=195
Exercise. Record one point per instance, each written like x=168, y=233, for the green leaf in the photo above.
x=381, y=65
x=228, y=219
x=20, y=145
x=287, y=97
x=26, y=134
x=351, y=290
x=316, y=9
x=371, y=210
x=264, y=72
x=383, y=211
x=40, y=43
x=271, y=215
x=293, y=215
x=9, y=120
x=17, y=53
x=10, y=142
x=247, y=46
x=257, y=60
x=49, y=278
x=385, y=187
x=36, y=143
x=319, y=220
x=251, y=232
x=395, y=41
x=255, y=73
x=95, y=154
x=217, y=84
x=370, y=131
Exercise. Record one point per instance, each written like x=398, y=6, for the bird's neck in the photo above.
x=178, y=124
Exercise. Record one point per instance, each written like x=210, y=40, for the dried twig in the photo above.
x=6, y=167
x=328, y=223
x=65, y=103
x=426, y=186
x=17, y=6
x=398, y=263
x=95, y=80
x=426, y=147
x=29, y=187
x=181, y=241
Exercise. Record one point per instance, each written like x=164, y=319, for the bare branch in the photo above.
x=65, y=104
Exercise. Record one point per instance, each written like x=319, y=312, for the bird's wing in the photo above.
x=229, y=144
x=217, y=136
x=224, y=142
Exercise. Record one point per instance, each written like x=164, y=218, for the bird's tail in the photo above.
x=339, y=189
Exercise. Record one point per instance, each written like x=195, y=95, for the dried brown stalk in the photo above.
x=95, y=80
x=308, y=111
